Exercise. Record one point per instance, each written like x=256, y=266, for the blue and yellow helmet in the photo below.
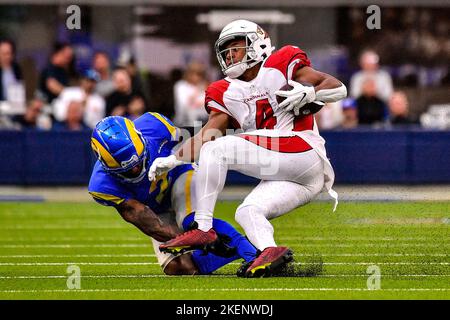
x=120, y=148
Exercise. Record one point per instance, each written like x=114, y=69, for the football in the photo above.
x=286, y=87
x=309, y=108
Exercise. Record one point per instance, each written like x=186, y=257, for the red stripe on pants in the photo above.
x=293, y=144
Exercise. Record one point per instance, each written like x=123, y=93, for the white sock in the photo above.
x=204, y=220
x=210, y=179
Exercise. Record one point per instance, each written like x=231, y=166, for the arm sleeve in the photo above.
x=106, y=199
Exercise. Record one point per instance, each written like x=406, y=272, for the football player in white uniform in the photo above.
x=280, y=143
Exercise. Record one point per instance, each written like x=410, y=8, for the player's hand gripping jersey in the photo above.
x=161, y=136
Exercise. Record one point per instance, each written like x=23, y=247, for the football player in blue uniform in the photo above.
x=161, y=208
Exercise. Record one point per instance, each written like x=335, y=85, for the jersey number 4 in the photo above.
x=264, y=115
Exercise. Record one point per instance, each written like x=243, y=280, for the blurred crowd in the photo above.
x=65, y=99
x=414, y=41
x=69, y=100
x=372, y=100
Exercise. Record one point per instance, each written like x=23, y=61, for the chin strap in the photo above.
x=332, y=95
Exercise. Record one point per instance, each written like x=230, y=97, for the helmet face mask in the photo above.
x=134, y=174
x=257, y=46
x=120, y=148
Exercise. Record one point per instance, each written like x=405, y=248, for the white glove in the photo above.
x=161, y=165
x=297, y=97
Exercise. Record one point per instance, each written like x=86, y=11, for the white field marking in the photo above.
x=81, y=239
x=112, y=276
x=112, y=245
x=218, y=289
x=368, y=245
x=296, y=254
x=210, y=276
x=77, y=255
x=78, y=239
x=83, y=225
x=232, y=263
x=79, y=263
x=299, y=227
x=140, y=245
x=383, y=275
x=371, y=254
x=62, y=227
x=343, y=238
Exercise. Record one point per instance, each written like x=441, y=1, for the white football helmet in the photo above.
x=258, y=46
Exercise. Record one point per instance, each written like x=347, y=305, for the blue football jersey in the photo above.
x=161, y=136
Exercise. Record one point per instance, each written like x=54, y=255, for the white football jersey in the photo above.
x=252, y=105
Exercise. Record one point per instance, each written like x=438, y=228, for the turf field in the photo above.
x=409, y=242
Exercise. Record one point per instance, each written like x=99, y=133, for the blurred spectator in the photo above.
x=136, y=107
x=74, y=118
x=101, y=64
x=117, y=102
x=10, y=72
x=56, y=75
x=371, y=109
x=369, y=62
x=33, y=117
x=399, y=109
x=331, y=116
x=128, y=62
x=189, y=94
x=350, y=113
x=93, y=104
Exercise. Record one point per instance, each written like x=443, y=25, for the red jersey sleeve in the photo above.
x=214, y=100
x=214, y=96
x=288, y=60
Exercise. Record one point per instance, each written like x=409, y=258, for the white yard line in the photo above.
x=75, y=239
x=444, y=222
x=233, y=263
x=62, y=227
x=140, y=245
x=218, y=289
x=77, y=255
x=78, y=263
x=211, y=276
x=92, y=245
x=99, y=239
x=296, y=254
x=343, y=238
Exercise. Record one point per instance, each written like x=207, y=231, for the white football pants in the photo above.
x=291, y=173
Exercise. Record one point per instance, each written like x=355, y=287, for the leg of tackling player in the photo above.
x=232, y=244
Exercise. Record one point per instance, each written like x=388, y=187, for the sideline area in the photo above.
x=238, y=193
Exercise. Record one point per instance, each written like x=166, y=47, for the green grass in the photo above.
x=409, y=242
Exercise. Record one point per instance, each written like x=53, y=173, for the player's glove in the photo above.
x=161, y=165
x=297, y=97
